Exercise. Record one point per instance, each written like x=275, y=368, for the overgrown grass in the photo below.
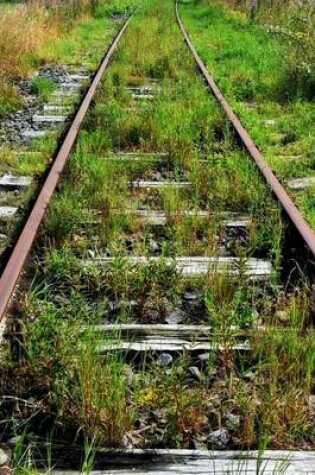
x=60, y=33
x=42, y=87
x=270, y=95
x=84, y=38
x=121, y=401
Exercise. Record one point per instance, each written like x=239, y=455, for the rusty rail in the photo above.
x=22, y=248
x=286, y=202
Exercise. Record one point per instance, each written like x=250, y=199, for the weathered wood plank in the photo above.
x=301, y=183
x=54, y=119
x=57, y=108
x=159, y=184
x=34, y=134
x=169, y=345
x=160, y=218
x=143, y=154
x=69, y=93
x=135, y=156
x=143, y=97
x=70, y=85
x=167, y=337
x=194, y=266
x=198, y=462
x=162, y=329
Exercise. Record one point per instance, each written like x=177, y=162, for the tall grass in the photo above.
x=111, y=399
x=293, y=23
x=25, y=29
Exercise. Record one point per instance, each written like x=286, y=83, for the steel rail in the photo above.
x=286, y=202
x=22, y=248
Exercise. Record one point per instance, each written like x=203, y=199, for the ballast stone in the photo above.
x=33, y=134
x=191, y=266
x=164, y=360
x=219, y=437
x=3, y=458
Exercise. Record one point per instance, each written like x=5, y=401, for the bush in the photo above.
x=293, y=23
x=298, y=33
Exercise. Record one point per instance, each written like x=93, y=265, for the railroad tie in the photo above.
x=167, y=338
x=11, y=181
x=301, y=183
x=195, y=266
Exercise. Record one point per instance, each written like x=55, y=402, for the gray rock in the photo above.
x=129, y=375
x=233, y=421
x=3, y=457
x=154, y=246
x=175, y=317
x=153, y=315
x=204, y=356
x=195, y=372
x=61, y=300
x=164, y=360
x=282, y=316
x=219, y=437
x=191, y=296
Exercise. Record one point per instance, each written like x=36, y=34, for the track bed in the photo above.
x=155, y=313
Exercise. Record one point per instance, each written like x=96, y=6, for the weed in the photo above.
x=43, y=87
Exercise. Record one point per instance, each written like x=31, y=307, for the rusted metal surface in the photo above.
x=289, y=207
x=25, y=241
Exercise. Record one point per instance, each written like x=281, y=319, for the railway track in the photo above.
x=167, y=296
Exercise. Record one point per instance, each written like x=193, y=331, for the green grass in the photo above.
x=246, y=60
x=10, y=98
x=43, y=88
x=84, y=44
x=73, y=42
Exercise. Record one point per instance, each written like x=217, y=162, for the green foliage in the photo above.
x=9, y=97
x=298, y=34
x=117, y=8
x=43, y=87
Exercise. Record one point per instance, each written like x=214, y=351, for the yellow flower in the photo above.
x=146, y=396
